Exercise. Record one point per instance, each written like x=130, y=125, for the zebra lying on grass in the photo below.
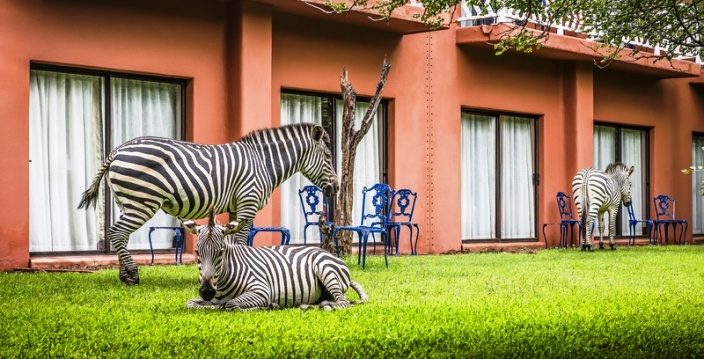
x=596, y=192
x=185, y=179
x=238, y=277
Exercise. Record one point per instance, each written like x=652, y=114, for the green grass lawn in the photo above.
x=641, y=302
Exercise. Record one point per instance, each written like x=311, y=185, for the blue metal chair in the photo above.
x=633, y=222
x=665, y=216
x=179, y=242
x=564, y=205
x=285, y=234
x=371, y=223
x=402, y=205
x=314, y=205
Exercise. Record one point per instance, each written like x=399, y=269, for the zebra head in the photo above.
x=622, y=174
x=209, y=250
x=318, y=166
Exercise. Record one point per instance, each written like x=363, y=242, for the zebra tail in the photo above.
x=363, y=297
x=90, y=196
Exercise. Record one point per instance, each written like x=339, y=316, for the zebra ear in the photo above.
x=630, y=172
x=191, y=226
x=318, y=133
x=232, y=227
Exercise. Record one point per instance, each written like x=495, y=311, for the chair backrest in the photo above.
x=379, y=197
x=664, y=207
x=631, y=214
x=564, y=204
x=402, y=205
x=313, y=202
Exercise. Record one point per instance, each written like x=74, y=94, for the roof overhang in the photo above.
x=563, y=47
x=404, y=20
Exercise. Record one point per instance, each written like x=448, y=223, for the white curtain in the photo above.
x=145, y=108
x=604, y=154
x=298, y=109
x=517, y=192
x=697, y=177
x=65, y=144
x=632, y=144
x=367, y=167
x=301, y=108
x=478, y=176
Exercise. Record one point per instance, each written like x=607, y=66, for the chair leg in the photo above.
x=151, y=249
x=415, y=248
x=388, y=240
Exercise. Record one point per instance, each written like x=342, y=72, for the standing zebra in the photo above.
x=185, y=179
x=236, y=277
x=596, y=192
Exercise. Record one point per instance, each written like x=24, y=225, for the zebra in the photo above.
x=184, y=179
x=244, y=278
x=596, y=192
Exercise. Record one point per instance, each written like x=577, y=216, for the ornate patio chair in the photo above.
x=314, y=205
x=633, y=223
x=564, y=205
x=402, y=205
x=372, y=222
x=665, y=216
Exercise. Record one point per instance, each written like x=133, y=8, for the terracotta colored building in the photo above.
x=486, y=141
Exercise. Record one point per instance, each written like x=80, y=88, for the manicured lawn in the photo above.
x=644, y=302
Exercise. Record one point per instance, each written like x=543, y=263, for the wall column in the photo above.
x=578, y=89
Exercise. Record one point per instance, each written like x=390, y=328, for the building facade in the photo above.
x=486, y=141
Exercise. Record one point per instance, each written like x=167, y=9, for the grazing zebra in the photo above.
x=236, y=277
x=185, y=179
x=596, y=192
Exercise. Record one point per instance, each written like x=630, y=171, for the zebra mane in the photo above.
x=616, y=167
x=256, y=137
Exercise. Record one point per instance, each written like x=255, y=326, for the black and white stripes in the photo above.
x=596, y=192
x=185, y=179
x=237, y=277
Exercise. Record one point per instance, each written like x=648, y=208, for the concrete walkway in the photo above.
x=103, y=260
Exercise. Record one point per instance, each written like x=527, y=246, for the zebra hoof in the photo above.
x=613, y=247
x=601, y=245
x=129, y=277
x=587, y=248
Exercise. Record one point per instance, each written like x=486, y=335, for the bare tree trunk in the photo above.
x=349, y=141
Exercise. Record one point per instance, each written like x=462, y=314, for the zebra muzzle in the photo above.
x=331, y=189
x=207, y=291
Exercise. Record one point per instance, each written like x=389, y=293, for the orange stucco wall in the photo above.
x=238, y=56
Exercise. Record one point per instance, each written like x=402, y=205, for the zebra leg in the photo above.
x=119, y=234
x=587, y=245
x=601, y=233
x=249, y=301
x=612, y=229
x=198, y=303
x=335, y=287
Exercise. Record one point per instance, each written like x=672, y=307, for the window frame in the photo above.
x=499, y=176
x=696, y=195
x=107, y=76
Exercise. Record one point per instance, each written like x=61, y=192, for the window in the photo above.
x=498, y=167
x=76, y=118
x=629, y=145
x=697, y=178
x=370, y=162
